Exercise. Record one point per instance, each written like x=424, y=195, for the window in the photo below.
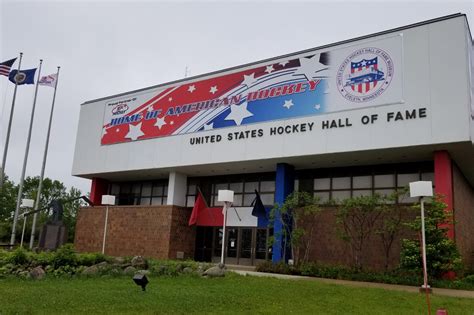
x=243, y=186
x=338, y=184
x=140, y=193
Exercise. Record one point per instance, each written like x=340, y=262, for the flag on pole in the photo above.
x=258, y=207
x=199, y=206
x=22, y=76
x=6, y=66
x=49, y=80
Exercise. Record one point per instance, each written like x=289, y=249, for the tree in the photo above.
x=357, y=218
x=52, y=189
x=299, y=207
x=441, y=252
x=391, y=221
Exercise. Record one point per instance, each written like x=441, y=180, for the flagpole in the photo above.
x=45, y=154
x=7, y=141
x=25, y=159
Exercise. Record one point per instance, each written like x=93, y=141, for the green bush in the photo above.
x=19, y=257
x=64, y=256
x=89, y=259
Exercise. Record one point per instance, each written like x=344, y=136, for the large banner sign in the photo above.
x=348, y=78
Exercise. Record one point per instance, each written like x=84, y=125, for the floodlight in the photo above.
x=27, y=203
x=141, y=280
x=225, y=195
x=108, y=200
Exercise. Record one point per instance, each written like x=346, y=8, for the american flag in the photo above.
x=242, y=112
x=361, y=67
x=6, y=66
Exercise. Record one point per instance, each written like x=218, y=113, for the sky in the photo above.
x=110, y=47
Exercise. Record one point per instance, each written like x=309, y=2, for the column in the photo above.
x=99, y=187
x=177, y=186
x=284, y=185
x=443, y=178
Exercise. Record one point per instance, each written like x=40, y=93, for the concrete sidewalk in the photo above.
x=395, y=287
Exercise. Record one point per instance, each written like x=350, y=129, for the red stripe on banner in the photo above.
x=352, y=87
x=359, y=88
x=367, y=87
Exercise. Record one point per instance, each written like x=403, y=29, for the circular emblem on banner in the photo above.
x=365, y=74
x=20, y=77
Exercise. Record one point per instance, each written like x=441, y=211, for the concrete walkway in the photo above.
x=395, y=287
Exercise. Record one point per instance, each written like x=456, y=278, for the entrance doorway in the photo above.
x=244, y=245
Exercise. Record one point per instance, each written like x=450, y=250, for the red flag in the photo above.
x=199, y=206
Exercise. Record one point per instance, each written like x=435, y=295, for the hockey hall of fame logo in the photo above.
x=365, y=74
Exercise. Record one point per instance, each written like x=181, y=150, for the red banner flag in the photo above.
x=199, y=206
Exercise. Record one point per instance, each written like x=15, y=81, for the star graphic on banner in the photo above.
x=160, y=122
x=209, y=126
x=363, y=63
x=150, y=109
x=170, y=99
x=213, y=89
x=134, y=132
x=269, y=69
x=172, y=122
x=288, y=104
x=191, y=88
x=117, y=130
x=284, y=63
x=317, y=106
x=311, y=67
x=238, y=113
x=249, y=79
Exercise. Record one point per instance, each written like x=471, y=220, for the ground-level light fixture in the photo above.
x=422, y=189
x=141, y=280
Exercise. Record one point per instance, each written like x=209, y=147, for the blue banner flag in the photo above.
x=22, y=76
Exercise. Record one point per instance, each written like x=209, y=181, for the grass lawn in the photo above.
x=232, y=294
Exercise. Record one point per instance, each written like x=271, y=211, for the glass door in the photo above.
x=232, y=246
x=246, y=246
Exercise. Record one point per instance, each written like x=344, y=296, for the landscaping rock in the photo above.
x=37, y=273
x=188, y=270
x=91, y=270
x=216, y=271
x=102, y=265
x=139, y=262
x=118, y=260
x=144, y=272
x=130, y=270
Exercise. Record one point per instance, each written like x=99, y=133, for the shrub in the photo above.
x=19, y=257
x=64, y=256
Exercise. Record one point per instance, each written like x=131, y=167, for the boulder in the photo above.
x=216, y=271
x=139, y=262
x=130, y=270
x=118, y=260
x=143, y=272
x=91, y=270
x=37, y=273
x=188, y=270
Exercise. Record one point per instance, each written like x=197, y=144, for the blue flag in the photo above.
x=22, y=76
x=258, y=207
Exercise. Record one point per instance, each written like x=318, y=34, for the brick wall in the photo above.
x=151, y=231
x=464, y=217
x=328, y=248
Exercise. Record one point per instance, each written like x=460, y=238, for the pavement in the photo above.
x=395, y=287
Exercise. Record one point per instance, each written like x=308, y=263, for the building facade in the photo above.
x=359, y=117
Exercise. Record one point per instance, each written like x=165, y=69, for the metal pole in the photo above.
x=23, y=232
x=7, y=141
x=105, y=228
x=45, y=154
x=20, y=190
x=423, y=240
x=224, y=212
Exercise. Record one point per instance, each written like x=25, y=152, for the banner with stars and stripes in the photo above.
x=304, y=85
